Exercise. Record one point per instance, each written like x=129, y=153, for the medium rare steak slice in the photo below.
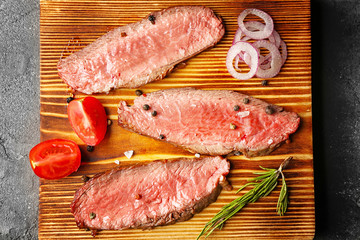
x=214, y=122
x=133, y=55
x=144, y=196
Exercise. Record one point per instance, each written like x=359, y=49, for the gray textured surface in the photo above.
x=19, y=118
x=336, y=122
x=336, y=100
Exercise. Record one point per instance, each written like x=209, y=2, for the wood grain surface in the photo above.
x=67, y=26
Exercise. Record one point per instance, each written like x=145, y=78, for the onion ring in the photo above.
x=266, y=66
x=237, y=62
x=269, y=24
x=246, y=58
x=277, y=38
x=276, y=59
x=253, y=26
x=265, y=62
x=234, y=51
x=240, y=36
x=283, y=51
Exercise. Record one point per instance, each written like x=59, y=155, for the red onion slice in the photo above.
x=237, y=62
x=243, y=51
x=276, y=60
x=265, y=62
x=240, y=36
x=283, y=51
x=247, y=58
x=244, y=57
x=237, y=48
x=255, y=26
x=276, y=37
x=269, y=24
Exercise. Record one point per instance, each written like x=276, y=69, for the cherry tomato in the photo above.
x=88, y=119
x=54, y=159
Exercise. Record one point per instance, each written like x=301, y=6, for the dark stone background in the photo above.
x=336, y=122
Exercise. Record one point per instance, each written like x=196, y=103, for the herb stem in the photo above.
x=264, y=184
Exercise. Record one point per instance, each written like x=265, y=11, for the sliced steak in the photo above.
x=133, y=55
x=206, y=121
x=145, y=196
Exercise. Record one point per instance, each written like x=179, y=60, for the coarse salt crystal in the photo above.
x=117, y=162
x=106, y=219
x=129, y=154
x=243, y=114
x=270, y=141
x=197, y=155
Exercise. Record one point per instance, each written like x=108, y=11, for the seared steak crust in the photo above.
x=148, y=195
x=138, y=53
x=205, y=121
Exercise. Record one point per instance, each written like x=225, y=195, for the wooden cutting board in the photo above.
x=67, y=26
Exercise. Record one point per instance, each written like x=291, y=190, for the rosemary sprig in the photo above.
x=263, y=186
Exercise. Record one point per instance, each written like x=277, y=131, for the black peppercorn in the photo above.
x=152, y=19
x=146, y=107
x=69, y=99
x=154, y=113
x=264, y=82
x=84, y=178
x=246, y=100
x=236, y=108
x=90, y=148
x=161, y=136
x=237, y=153
x=269, y=110
x=138, y=92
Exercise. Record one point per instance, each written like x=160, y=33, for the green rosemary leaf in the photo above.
x=263, y=176
x=283, y=198
x=263, y=185
x=248, y=184
x=267, y=169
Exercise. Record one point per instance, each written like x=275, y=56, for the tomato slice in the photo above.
x=88, y=118
x=54, y=159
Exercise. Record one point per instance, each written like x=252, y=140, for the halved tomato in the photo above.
x=54, y=159
x=88, y=118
